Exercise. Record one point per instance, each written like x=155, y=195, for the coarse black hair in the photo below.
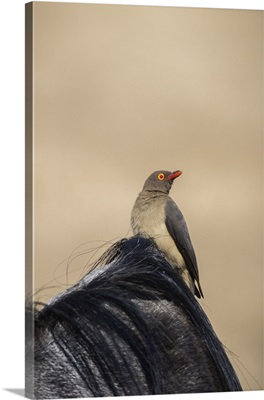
x=129, y=327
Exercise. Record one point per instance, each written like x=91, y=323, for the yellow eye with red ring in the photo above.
x=161, y=177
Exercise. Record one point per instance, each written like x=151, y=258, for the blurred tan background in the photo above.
x=121, y=91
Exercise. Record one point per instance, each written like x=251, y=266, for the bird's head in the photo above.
x=161, y=181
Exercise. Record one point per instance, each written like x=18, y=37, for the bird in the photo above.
x=157, y=216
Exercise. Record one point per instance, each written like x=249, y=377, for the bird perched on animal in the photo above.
x=156, y=215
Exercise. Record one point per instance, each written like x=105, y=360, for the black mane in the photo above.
x=130, y=327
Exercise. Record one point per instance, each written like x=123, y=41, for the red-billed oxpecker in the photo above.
x=157, y=216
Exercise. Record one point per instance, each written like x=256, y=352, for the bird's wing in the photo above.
x=178, y=230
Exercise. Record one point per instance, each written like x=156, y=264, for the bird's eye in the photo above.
x=161, y=177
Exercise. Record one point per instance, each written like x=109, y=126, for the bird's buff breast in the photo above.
x=148, y=219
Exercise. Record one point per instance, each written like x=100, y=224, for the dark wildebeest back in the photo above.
x=129, y=327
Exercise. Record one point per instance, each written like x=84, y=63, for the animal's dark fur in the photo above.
x=130, y=327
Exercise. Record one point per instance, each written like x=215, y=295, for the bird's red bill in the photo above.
x=174, y=175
